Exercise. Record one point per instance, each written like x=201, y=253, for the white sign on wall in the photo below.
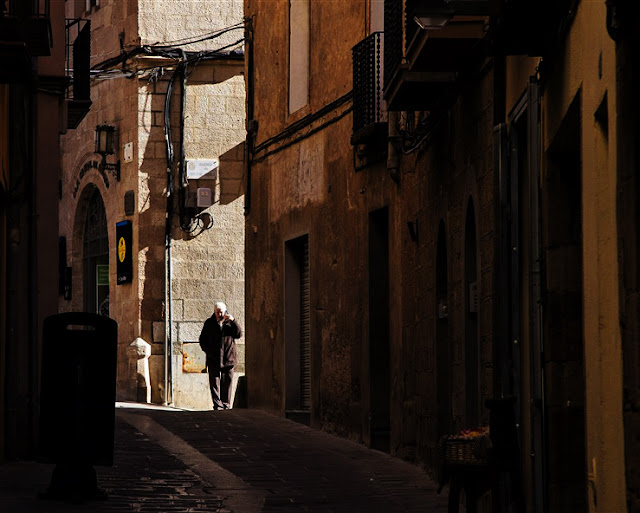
x=198, y=168
x=127, y=152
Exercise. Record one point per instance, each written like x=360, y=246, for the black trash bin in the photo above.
x=77, y=401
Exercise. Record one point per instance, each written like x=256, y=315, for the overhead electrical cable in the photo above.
x=203, y=37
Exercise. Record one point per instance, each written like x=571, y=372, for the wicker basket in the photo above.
x=466, y=451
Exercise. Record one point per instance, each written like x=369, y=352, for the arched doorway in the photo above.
x=95, y=257
x=471, y=321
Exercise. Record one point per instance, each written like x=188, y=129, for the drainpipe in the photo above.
x=168, y=304
x=252, y=125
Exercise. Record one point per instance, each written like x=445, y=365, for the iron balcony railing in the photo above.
x=25, y=8
x=393, y=37
x=78, y=57
x=368, y=104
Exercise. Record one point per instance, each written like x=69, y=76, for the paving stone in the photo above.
x=235, y=461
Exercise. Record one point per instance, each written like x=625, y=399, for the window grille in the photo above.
x=393, y=30
x=367, y=82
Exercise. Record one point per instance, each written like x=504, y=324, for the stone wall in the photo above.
x=311, y=187
x=206, y=264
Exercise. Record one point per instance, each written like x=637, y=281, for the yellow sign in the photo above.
x=122, y=249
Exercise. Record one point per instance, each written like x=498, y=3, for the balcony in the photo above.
x=369, y=112
x=25, y=24
x=442, y=40
x=78, y=68
x=528, y=27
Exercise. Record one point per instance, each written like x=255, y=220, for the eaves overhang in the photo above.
x=434, y=60
x=34, y=32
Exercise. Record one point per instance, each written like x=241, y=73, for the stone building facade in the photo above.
x=562, y=126
x=384, y=250
x=32, y=103
x=441, y=234
x=164, y=72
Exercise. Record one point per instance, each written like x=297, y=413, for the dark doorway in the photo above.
x=563, y=319
x=379, y=306
x=297, y=329
x=443, y=349
x=471, y=324
x=96, y=258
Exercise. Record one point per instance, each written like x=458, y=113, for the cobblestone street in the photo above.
x=241, y=461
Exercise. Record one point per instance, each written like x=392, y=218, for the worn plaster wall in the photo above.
x=312, y=188
x=588, y=71
x=306, y=189
x=581, y=76
x=440, y=183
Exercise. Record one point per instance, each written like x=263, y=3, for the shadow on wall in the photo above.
x=151, y=206
x=232, y=174
x=226, y=185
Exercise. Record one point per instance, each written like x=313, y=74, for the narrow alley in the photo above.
x=241, y=460
x=394, y=244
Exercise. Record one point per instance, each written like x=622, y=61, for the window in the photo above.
x=376, y=21
x=298, y=54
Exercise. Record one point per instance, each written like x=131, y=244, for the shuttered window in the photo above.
x=297, y=330
x=305, y=346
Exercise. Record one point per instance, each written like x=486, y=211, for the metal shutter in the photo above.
x=305, y=342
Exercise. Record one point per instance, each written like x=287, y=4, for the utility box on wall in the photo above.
x=204, y=197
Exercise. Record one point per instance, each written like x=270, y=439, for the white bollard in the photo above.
x=140, y=351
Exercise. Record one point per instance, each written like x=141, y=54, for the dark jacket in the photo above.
x=218, y=342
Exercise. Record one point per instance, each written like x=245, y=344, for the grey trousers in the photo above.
x=220, y=383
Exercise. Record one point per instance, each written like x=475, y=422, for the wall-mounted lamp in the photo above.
x=105, y=145
x=433, y=20
x=437, y=17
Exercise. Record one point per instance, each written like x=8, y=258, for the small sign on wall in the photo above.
x=102, y=274
x=127, y=152
x=124, y=246
x=201, y=168
x=194, y=359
